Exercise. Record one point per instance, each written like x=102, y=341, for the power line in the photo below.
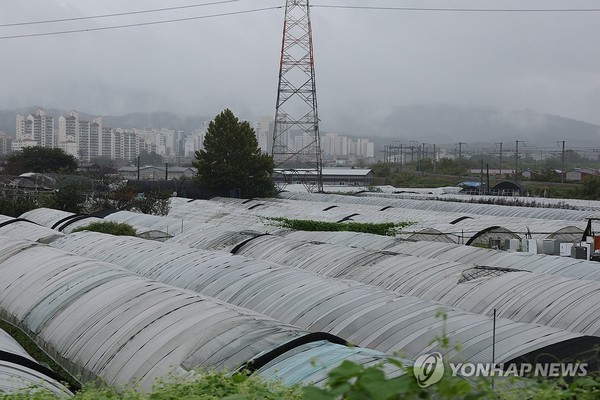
x=478, y=10
x=242, y=12
x=104, y=28
x=51, y=21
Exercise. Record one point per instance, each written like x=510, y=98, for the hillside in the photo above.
x=451, y=124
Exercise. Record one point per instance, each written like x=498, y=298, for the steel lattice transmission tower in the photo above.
x=296, y=141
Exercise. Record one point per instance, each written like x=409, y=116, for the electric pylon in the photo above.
x=296, y=146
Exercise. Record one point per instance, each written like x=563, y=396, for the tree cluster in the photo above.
x=232, y=161
x=41, y=160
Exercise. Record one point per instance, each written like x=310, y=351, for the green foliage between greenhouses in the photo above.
x=112, y=228
x=205, y=385
x=348, y=381
x=384, y=229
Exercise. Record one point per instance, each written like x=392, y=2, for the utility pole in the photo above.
x=517, y=159
x=385, y=153
x=487, y=186
x=138, y=167
x=562, y=163
x=500, y=159
x=401, y=155
x=414, y=145
x=460, y=144
x=423, y=159
x=481, y=177
x=434, y=159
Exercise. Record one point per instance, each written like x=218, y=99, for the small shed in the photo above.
x=508, y=188
x=580, y=174
x=331, y=176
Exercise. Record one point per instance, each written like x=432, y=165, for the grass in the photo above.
x=203, y=385
x=347, y=381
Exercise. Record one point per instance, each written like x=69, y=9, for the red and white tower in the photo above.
x=296, y=142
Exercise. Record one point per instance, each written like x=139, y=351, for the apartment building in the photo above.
x=5, y=143
x=37, y=129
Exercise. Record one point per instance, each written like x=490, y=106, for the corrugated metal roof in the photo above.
x=327, y=171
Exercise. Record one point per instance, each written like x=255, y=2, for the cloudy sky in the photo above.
x=368, y=62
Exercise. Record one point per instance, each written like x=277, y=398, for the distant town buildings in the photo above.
x=5, y=143
x=264, y=133
x=87, y=140
x=34, y=130
x=84, y=140
x=334, y=145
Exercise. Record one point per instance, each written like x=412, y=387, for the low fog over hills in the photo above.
x=424, y=123
x=450, y=124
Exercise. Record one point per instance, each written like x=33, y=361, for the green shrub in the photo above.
x=112, y=228
x=14, y=207
x=384, y=229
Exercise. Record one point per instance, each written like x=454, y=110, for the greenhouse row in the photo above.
x=19, y=371
x=518, y=295
x=101, y=321
x=469, y=227
x=365, y=315
x=381, y=200
x=452, y=194
x=222, y=284
x=477, y=256
x=422, y=276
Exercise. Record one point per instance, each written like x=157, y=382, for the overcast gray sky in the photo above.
x=367, y=62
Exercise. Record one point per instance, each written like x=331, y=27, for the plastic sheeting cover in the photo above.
x=15, y=377
x=365, y=315
x=101, y=320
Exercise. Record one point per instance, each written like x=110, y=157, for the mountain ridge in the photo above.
x=452, y=124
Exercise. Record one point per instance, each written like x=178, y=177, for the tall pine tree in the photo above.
x=231, y=159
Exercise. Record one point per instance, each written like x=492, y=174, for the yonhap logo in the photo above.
x=428, y=369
